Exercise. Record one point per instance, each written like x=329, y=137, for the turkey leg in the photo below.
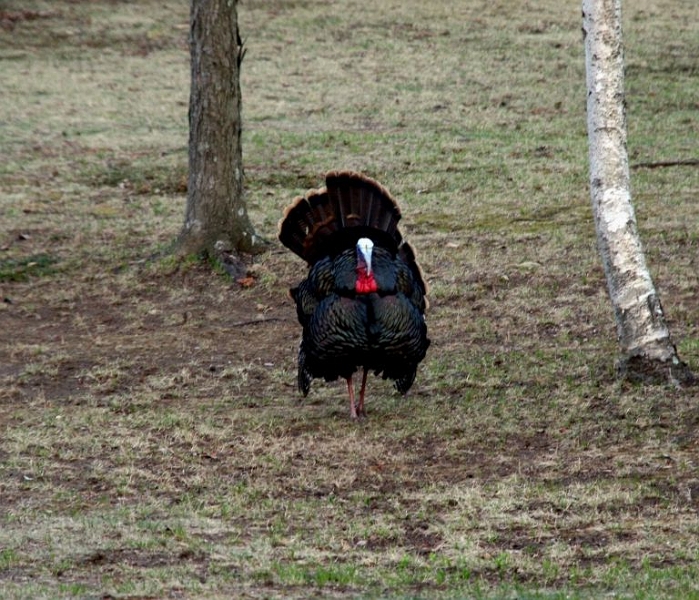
x=350, y=391
x=360, y=409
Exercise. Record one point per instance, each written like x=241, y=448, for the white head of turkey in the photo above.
x=366, y=283
x=362, y=304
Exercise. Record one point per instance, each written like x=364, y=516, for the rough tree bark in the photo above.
x=647, y=351
x=216, y=219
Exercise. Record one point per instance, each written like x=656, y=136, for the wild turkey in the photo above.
x=363, y=302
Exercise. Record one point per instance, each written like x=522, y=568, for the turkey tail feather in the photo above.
x=351, y=203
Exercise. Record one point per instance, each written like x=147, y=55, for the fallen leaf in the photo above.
x=246, y=282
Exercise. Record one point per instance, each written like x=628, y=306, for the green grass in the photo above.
x=153, y=442
x=27, y=268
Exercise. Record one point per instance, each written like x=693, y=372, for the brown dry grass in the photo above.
x=153, y=443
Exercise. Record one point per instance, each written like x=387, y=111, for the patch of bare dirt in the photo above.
x=102, y=329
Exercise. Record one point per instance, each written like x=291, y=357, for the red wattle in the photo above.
x=366, y=284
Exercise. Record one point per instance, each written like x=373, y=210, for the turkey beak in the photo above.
x=365, y=247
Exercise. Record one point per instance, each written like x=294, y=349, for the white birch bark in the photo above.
x=641, y=328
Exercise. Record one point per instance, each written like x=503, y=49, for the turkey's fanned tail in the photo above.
x=350, y=206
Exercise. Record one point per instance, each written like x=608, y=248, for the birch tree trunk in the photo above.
x=216, y=219
x=647, y=351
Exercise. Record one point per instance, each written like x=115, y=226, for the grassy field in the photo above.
x=152, y=441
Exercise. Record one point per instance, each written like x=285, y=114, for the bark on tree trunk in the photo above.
x=647, y=351
x=216, y=219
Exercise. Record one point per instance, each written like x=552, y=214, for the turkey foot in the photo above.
x=357, y=411
x=350, y=391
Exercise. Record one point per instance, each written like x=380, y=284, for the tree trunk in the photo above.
x=647, y=351
x=216, y=219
